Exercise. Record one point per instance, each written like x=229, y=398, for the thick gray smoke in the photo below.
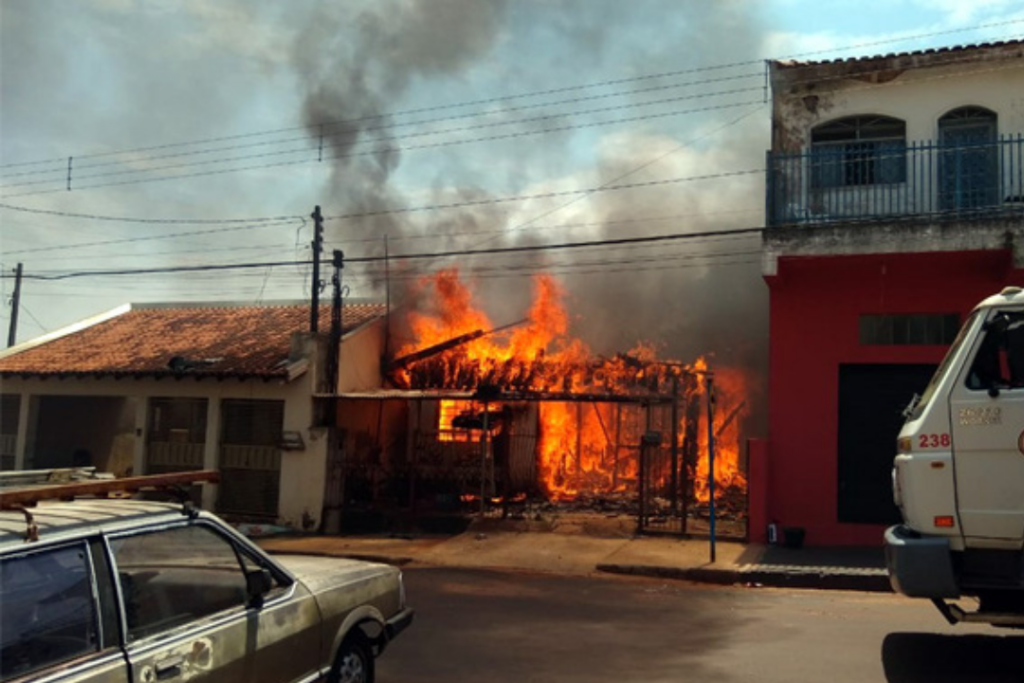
x=356, y=67
x=681, y=296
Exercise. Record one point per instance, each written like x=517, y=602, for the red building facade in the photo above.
x=877, y=247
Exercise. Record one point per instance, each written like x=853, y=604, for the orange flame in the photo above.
x=583, y=447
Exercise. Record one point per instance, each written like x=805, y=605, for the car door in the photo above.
x=58, y=615
x=188, y=616
x=987, y=419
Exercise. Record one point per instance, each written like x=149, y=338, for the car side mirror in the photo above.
x=258, y=583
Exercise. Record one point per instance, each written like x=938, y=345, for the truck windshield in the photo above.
x=943, y=368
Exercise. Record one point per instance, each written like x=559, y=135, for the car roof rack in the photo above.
x=22, y=499
x=102, y=488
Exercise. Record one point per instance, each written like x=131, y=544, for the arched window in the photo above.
x=968, y=161
x=859, y=150
x=969, y=116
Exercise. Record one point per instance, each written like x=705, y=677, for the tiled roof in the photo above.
x=207, y=341
x=952, y=51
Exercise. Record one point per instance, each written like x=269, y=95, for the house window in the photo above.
x=177, y=420
x=859, y=150
x=456, y=419
x=903, y=330
x=968, y=169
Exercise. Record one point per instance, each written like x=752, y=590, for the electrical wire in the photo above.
x=392, y=150
x=372, y=152
x=353, y=132
x=541, y=93
x=398, y=257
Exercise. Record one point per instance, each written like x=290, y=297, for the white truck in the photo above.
x=958, y=476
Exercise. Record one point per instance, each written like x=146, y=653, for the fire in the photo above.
x=589, y=442
x=730, y=407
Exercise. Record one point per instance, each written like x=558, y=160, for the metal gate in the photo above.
x=176, y=437
x=676, y=492
x=662, y=482
x=635, y=456
x=250, y=457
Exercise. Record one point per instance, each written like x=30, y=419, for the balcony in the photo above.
x=886, y=180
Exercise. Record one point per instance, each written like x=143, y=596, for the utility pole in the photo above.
x=318, y=246
x=12, y=332
x=335, y=347
x=387, y=300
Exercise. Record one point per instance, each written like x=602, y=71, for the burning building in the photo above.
x=476, y=416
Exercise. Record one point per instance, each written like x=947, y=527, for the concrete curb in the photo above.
x=867, y=581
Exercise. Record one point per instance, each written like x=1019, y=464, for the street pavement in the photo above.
x=490, y=546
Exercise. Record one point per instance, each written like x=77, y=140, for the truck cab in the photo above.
x=958, y=476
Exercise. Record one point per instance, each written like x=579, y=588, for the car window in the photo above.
x=48, y=612
x=174, y=576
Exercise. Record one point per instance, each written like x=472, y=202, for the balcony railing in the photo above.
x=891, y=179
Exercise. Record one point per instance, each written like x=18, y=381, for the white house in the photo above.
x=153, y=388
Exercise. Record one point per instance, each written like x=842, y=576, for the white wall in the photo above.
x=301, y=471
x=918, y=96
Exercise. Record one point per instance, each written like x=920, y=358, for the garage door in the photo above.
x=871, y=403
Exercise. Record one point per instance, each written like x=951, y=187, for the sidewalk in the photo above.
x=565, y=553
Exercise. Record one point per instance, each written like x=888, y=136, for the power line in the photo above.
x=431, y=133
x=365, y=214
x=543, y=195
x=399, y=257
x=371, y=152
x=161, y=221
x=61, y=171
x=539, y=93
x=390, y=150
x=635, y=169
x=146, y=238
x=365, y=240
x=845, y=75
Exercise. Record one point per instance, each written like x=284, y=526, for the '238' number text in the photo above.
x=934, y=440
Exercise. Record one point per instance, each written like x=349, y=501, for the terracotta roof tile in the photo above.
x=214, y=341
x=952, y=49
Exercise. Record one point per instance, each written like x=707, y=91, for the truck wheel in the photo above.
x=354, y=663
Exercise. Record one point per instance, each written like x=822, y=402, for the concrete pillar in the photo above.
x=211, y=450
x=141, y=436
x=21, y=440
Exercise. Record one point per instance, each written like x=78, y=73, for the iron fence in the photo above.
x=870, y=180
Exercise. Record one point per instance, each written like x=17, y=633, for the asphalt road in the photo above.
x=496, y=627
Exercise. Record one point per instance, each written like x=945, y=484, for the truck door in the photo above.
x=987, y=421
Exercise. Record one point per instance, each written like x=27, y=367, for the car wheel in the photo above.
x=354, y=663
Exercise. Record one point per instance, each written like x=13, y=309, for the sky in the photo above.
x=141, y=134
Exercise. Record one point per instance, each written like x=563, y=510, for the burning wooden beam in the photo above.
x=452, y=343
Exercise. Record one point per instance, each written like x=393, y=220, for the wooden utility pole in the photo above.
x=334, y=361
x=318, y=247
x=12, y=331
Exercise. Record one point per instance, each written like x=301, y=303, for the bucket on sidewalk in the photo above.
x=793, y=536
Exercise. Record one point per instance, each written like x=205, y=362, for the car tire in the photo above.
x=354, y=663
